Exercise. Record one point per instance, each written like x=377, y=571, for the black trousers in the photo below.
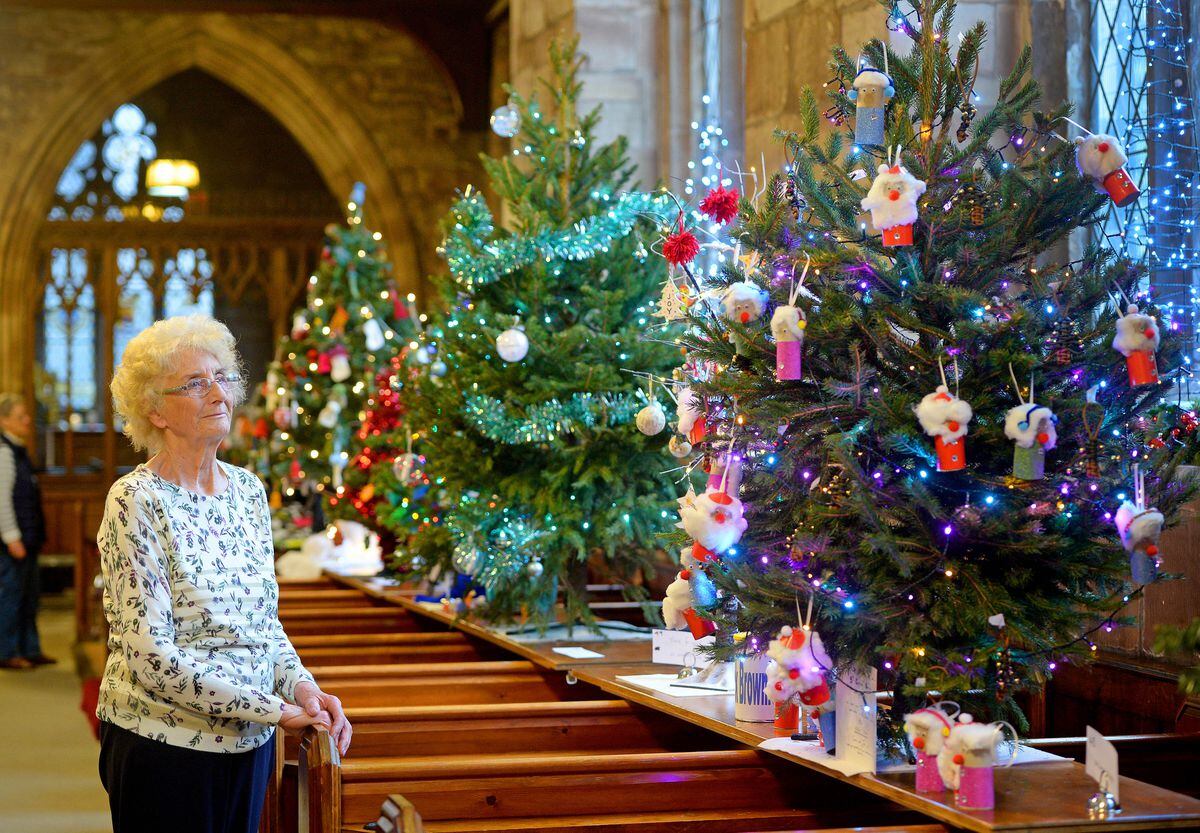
x=154, y=786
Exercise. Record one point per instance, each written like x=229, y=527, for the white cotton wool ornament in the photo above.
x=944, y=415
x=893, y=197
x=329, y=414
x=373, y=335
x=1099, y=155
x=688, y=409
x=714, y=520
x=800, y=664
x=1139, y=528
x=1136, y=333
x=1030, y=423
x=651, y=420
x=743, y=302
x=970, y=744
x=931, y=726
x=677, y=600
x=788, y=323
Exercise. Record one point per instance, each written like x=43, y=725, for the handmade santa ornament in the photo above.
x=892, y=202
x=339, y=363
x=1032, y=428
x=724, y=473
x=689, y=408
x=927, y=731
x=870, y=91
x=967, y=762
x=1137, y=339
x=801, y=664
x=743, y=303
x=945, y=417
x=1140, y=529
x=714, y=520
x=788, y=324
x=679, y=607
x=1102, y=159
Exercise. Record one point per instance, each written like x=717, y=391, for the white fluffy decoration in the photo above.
x=714, y=519
x=967, y=738
x=1131, y=333
x=678, y=599
x=787, y=323
x=868, y=78
x=1138, y=529
x=808, y=661
x=744, y=302
x=887, y=212
x=688, y=409
x=1096, y=163
x=651, y=419
x=930, y=724
x=1037, y=419
x=359, y=553
x=939, y=408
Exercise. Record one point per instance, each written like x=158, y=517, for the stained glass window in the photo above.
x=69, y=320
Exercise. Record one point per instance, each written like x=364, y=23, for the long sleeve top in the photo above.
x=9, y=532
x=197, y=656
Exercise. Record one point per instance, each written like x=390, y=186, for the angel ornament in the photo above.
x=1140, y=529
x=1032, y=428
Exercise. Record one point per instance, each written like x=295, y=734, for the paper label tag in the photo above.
x=678, y=648
x=856, y=715
x=1101, y=763
x=577, y=652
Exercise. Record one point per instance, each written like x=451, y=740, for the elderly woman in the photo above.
x=199, y=672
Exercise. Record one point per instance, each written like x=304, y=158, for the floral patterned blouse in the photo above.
x=197, y=656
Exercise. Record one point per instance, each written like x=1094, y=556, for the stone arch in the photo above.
x=340, y=146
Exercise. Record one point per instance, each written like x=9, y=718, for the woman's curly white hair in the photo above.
x=152, y=355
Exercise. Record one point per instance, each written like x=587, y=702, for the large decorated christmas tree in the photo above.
x=934, y=423
x=530, y=431
x=353, y=322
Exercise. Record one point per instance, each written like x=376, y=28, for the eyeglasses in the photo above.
x=200, y=387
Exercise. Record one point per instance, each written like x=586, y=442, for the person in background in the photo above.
x=200, y=672
x=22, y=533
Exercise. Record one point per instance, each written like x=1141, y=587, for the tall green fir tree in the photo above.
x=353, y=322
x=933, y=419
x=531, y=430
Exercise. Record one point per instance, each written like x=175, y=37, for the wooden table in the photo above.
x=1049, y=796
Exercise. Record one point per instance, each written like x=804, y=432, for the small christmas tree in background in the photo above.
x=940, y=445
x=353, y=322
x=531, y=430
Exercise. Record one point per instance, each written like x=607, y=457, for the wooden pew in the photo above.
x=728, y=789
x=1170, y=761
x=322, y=583
x=336, y=598
x=299, y=621
x=432, y=684
x=394, y=648
x=398, y=815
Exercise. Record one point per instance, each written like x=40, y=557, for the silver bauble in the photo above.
x=506, y=121
x=512, y=345
x=534, y=569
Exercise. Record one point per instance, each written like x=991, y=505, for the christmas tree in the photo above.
x=531, y=430
x=936, y=440
x=354, y=320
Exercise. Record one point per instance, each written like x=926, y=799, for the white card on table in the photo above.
x=856, y=715
x=577, y=652
x=678, y=648
x=1102, y=763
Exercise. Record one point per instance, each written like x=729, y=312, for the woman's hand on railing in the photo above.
x=295, y=719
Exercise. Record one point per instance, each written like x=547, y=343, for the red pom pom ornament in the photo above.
x=681, y=247
x=721, y=204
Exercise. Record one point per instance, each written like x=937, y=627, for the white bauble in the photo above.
x=422, y=355
x=651, y=419
x=404, y=466
x=679, y=447
x=512, y=345
x=506, y=121
x=329, y=414
x=339, y=364
x=437, y=369
x=534, y=569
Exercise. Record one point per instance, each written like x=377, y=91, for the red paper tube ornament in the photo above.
x=945, y=417
x=1137, y=339
x=892, y=202
x=1102, y=159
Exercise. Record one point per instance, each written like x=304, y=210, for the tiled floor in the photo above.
x=48, y=778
